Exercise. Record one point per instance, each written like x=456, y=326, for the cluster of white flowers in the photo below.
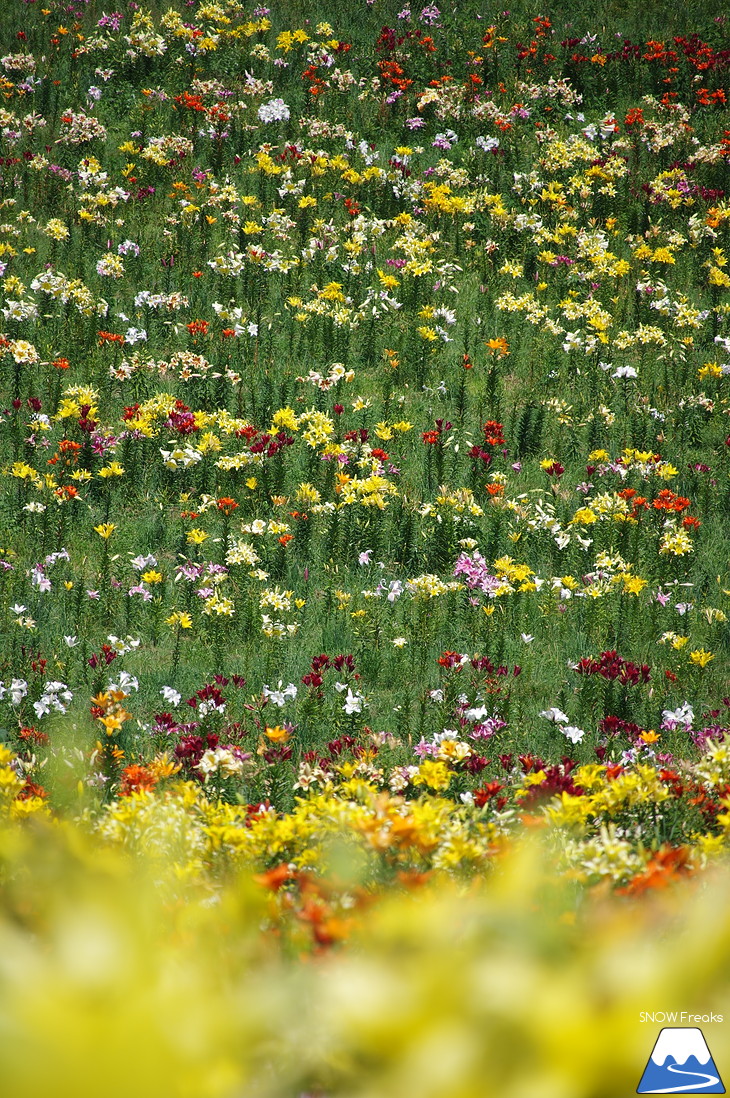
x=19, y=310
x=241, y=552
x=280, y=696
x=181, y=457
x=171, y=302
x=575, y=735
x=125, y=683
x=79, y=127
x=15, y=691
x=231, y=264
x=121, y=647
x=171, y=696
x=354, y=702
x=135, y=335
x=233, y=316
x=682, y=717
x=18, y=62
x=271, y=628
x=56, y=696
x=224, y=760
x=326, y=381
x=141, y=564
x=275, y=110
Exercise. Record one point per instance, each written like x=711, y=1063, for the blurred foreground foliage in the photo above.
x=119, y=976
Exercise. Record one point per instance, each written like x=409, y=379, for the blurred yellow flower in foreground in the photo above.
x=112, y=953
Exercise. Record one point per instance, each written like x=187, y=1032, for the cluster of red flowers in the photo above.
x=668, y=501
x=68, y=448
x=269, y=446
x=611, y=726
x=669, y=864
x=322, y=663
x=34, y=736
x=450, y=660
x=485, y=792
x=136, y=779
x=67, y=491
x=361, y=434
x=477, y=454
x=83, y=422
x=558, y=779
x=432, y=437
x=393, y=73
x=316, y=83
x=190, y=102
x=314, y=903
x=190, y=750
x=638, y=503
x=706, y=98
x=613, y=667
x=264, y=443
x=107, y=654
x=454, y=661
x=210, y=692
x=181, y=419
x=493, y=433
x=699, y=55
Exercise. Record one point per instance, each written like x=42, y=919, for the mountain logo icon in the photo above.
x=681, y=1063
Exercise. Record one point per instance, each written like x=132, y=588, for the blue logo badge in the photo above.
x=681, y=1063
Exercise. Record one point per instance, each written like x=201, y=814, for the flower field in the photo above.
x=364, y=556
